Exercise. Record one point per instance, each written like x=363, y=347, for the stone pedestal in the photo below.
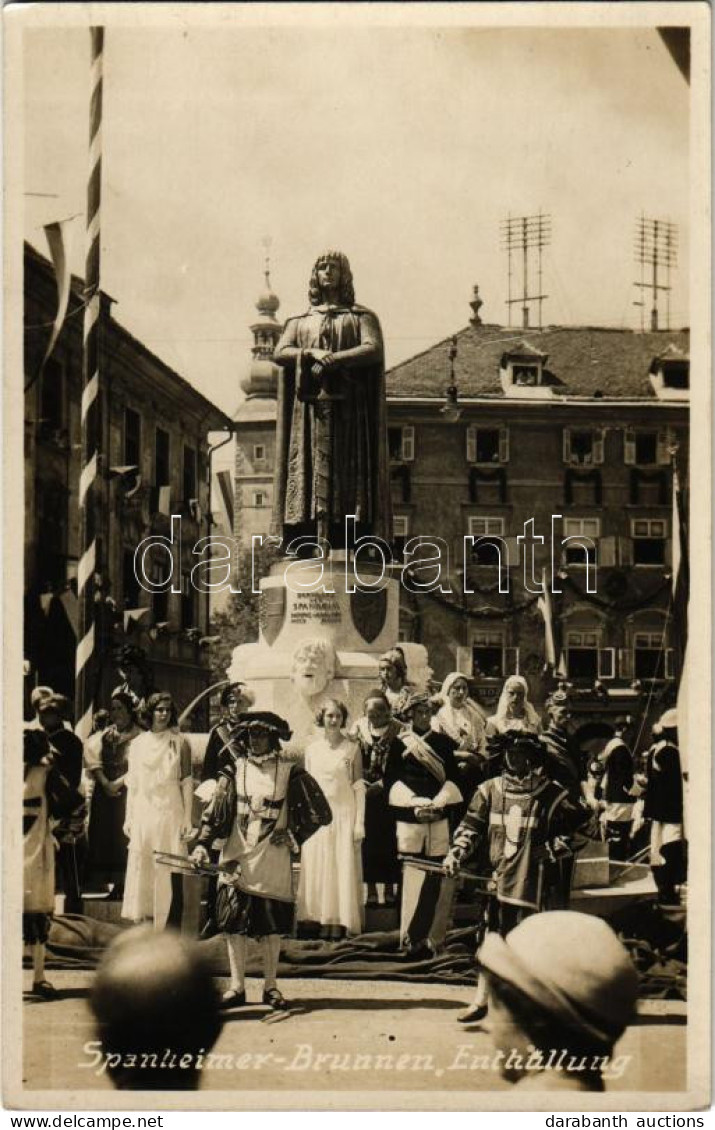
x=318, y=640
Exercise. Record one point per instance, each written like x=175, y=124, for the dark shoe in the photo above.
x=233, y=998
x=44, y=989
x=274, y=999
x=473, y=1014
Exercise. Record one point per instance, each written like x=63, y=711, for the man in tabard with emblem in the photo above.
x=265, y=806
x=523, y=819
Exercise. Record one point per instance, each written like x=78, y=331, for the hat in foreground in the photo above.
x=573, y=967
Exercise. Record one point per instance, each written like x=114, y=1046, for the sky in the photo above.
x=403, y=147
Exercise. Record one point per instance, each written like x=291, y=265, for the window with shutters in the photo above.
x=487, y=446
x=132, y=438
x=400, y=533
x=649, y=541
x=401, y=443
x=488, y=648
x=651, y=658
x=584, y=550
x=260, y=499
x=583, y=447
x=582, y=654
x=484, y=551
x=646, y=447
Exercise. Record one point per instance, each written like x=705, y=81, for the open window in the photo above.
x=650, y=537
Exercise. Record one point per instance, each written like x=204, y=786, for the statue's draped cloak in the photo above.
x=332, y=455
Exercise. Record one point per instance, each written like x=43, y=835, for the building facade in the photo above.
x=155, y=428
x=566, y=435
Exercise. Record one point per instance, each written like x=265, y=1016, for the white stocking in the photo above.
x=38, y=962
x=237, y=960
x=271, y=954
x=480, y=995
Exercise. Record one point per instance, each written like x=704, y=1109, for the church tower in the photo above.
x=255, y=423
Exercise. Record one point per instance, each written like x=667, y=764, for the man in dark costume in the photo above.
x=331, y=436
x=522, y=817
x=662, y=784
x=421, y=781
x=265, y=806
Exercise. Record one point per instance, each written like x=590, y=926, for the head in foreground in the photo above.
x=156, y=1011
x=562, y=990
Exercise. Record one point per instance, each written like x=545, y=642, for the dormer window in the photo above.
x=522, y=372
x=670, y=374
x=528, y=375
x=676, y=374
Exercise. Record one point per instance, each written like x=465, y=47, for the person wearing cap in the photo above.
x=562, y=990
x=47, y=796
x=524, y=821
x=661, y=785
x=612, y=778
x=264, y=806
x=70, y=832
x=422, y=782
x=235, y=698
x=38, y=695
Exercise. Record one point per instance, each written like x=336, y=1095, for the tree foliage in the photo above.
x=237, y=622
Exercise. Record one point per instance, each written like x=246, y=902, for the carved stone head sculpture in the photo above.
x=313, y=667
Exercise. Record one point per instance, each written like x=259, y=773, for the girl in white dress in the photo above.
x=159, y=799
x=330, y=888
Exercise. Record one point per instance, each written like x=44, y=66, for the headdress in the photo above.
x=264, y=720
x=395, y=657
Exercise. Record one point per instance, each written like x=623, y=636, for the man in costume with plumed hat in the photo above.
x=265, y=806
x=523, y=819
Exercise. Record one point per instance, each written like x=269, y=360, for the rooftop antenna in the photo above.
x=526, y=234
x=656, y=246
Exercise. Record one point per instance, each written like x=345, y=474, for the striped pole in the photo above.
x=86, y=666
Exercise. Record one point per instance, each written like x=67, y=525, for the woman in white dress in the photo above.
x=461, y=719
x=330, y=888
x=159, y=799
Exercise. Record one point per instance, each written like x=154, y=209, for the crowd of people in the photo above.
x=419, y=776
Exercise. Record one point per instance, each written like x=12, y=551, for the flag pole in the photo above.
x=90, y=482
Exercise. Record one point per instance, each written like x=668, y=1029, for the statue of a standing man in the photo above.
x=331, y=438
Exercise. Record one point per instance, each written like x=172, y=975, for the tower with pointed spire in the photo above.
x=255, y=420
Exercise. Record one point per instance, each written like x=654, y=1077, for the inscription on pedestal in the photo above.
x=317, y=608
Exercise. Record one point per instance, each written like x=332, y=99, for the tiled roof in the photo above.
x=584, y=361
